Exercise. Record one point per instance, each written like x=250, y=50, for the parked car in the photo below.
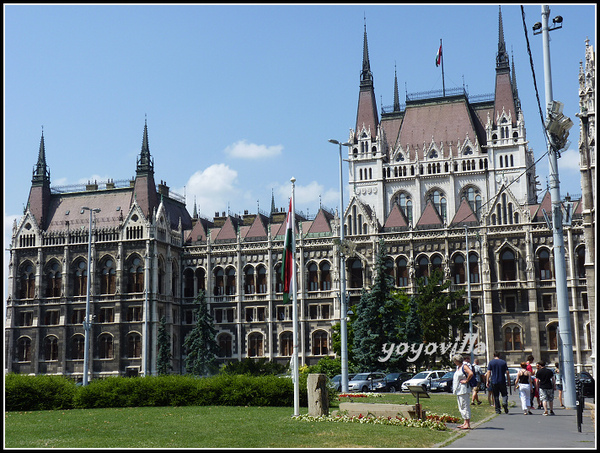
x=423, y=379
x=365, y=382
x=513, y=371
x=443, y=384
x=336, y=382
x=588, y=385
x=393, y=382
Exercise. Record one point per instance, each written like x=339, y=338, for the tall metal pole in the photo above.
x=87, y=321
x=296, y=374
x=468, y=265
x=562, y=299
x=343, y=300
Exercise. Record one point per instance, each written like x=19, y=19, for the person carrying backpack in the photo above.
x=461, y=388
x=477, y=372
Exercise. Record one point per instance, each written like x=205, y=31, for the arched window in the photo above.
x=219, y=289
x=581, y=262
x=401, y=272
x=473, y=268
x=225, y=345
x=249, y=283
x=286, y=344
x=423, y=268
x=473, y=197
x=325, y=276
x=508, y=266
x=356, y=274
x=230, y=282
x=80, y=278
x=51, y=348
x=553, y=336
x=53, y=279
x=27, y=281
x=278, y=279
x=188, y=283
x=135, y=280
x=175, y=288
x=255, y=344
x=161, y=275
x=313, y=277
x=108, y=279
x=319, y=343
x=200, y=280
x=261, y=280
x=134, y=345
x=436, y=263
x=438, y=199
x=544, y=263
x=458, y=269
x=24, y=349
x=512, y=338
x=105, y=346
x=77, y=347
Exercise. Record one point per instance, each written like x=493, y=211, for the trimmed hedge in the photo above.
x=57, y=392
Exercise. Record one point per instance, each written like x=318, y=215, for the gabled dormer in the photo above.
x=359, y=218
x=505, y=209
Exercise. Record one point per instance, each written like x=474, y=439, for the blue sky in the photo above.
x=240, y=98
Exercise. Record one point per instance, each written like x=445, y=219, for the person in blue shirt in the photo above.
x=497, y=373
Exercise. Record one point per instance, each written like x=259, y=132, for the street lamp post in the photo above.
x=557, y=126
x=468, y=267
x=87, y=321
x=343, y=301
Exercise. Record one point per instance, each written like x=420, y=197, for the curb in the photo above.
x=461, y=434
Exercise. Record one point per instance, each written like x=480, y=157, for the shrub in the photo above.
x=43, y=392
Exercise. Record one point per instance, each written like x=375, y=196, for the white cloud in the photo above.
x=244, y=150
x=569, y=160
x=307, y=196
x=212, y=188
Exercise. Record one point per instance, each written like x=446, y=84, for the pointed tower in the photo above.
x=504, y=96
x=144, y=191
x=367, y=106
x=396, y=96
x=39, y=195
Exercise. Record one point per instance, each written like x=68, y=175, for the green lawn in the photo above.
x=220, y=427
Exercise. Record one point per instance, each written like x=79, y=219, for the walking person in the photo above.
x=523, y=383
x=559, y=385
x=477, y=372
x=498, y=374
x=460, y=387
x=545, y=383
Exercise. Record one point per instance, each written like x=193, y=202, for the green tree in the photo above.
x=164, y=348
x=441, y=316
x=378, y=318
x=201, y=344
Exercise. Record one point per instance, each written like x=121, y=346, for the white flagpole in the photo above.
x=296, y=374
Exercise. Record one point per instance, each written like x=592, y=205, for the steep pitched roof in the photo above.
x=546, y=205
x=258, y=228
x=396, y=219
x=228, y=231
x=430, y=217
x=464, y=215
x=321, y=224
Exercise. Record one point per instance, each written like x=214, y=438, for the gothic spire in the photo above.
x=41, y=174
x=501, y=56
x=396, y=97
x=514, y=82
x=145, y=164
x=366, y=77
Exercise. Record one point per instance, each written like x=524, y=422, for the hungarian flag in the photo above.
x=288, y=257
x=438, y=57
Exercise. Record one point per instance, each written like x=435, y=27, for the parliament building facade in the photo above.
x=425, y=177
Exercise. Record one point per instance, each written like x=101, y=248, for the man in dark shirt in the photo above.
x=498, y=375
x=545, y=383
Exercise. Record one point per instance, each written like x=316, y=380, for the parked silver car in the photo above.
x=365, y=382
x=423, y=379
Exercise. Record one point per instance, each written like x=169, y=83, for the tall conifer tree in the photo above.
x=201, y=344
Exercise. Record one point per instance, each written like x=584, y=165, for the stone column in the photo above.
x=318, y=399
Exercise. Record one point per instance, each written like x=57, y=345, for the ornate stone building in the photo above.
x=425, y=177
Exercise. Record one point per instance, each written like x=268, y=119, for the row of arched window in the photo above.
x=105, y=346
x=256, y=344
x=433, y=168
x=52, y=278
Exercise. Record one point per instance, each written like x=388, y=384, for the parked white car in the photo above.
x=424, y=379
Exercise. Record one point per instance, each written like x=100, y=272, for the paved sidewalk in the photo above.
x=515, y=430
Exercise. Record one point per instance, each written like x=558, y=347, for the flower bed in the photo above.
x=360, y=395
x=433, y=421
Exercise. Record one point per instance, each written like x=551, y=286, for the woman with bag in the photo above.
x=460, y=387
x=523, y=383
